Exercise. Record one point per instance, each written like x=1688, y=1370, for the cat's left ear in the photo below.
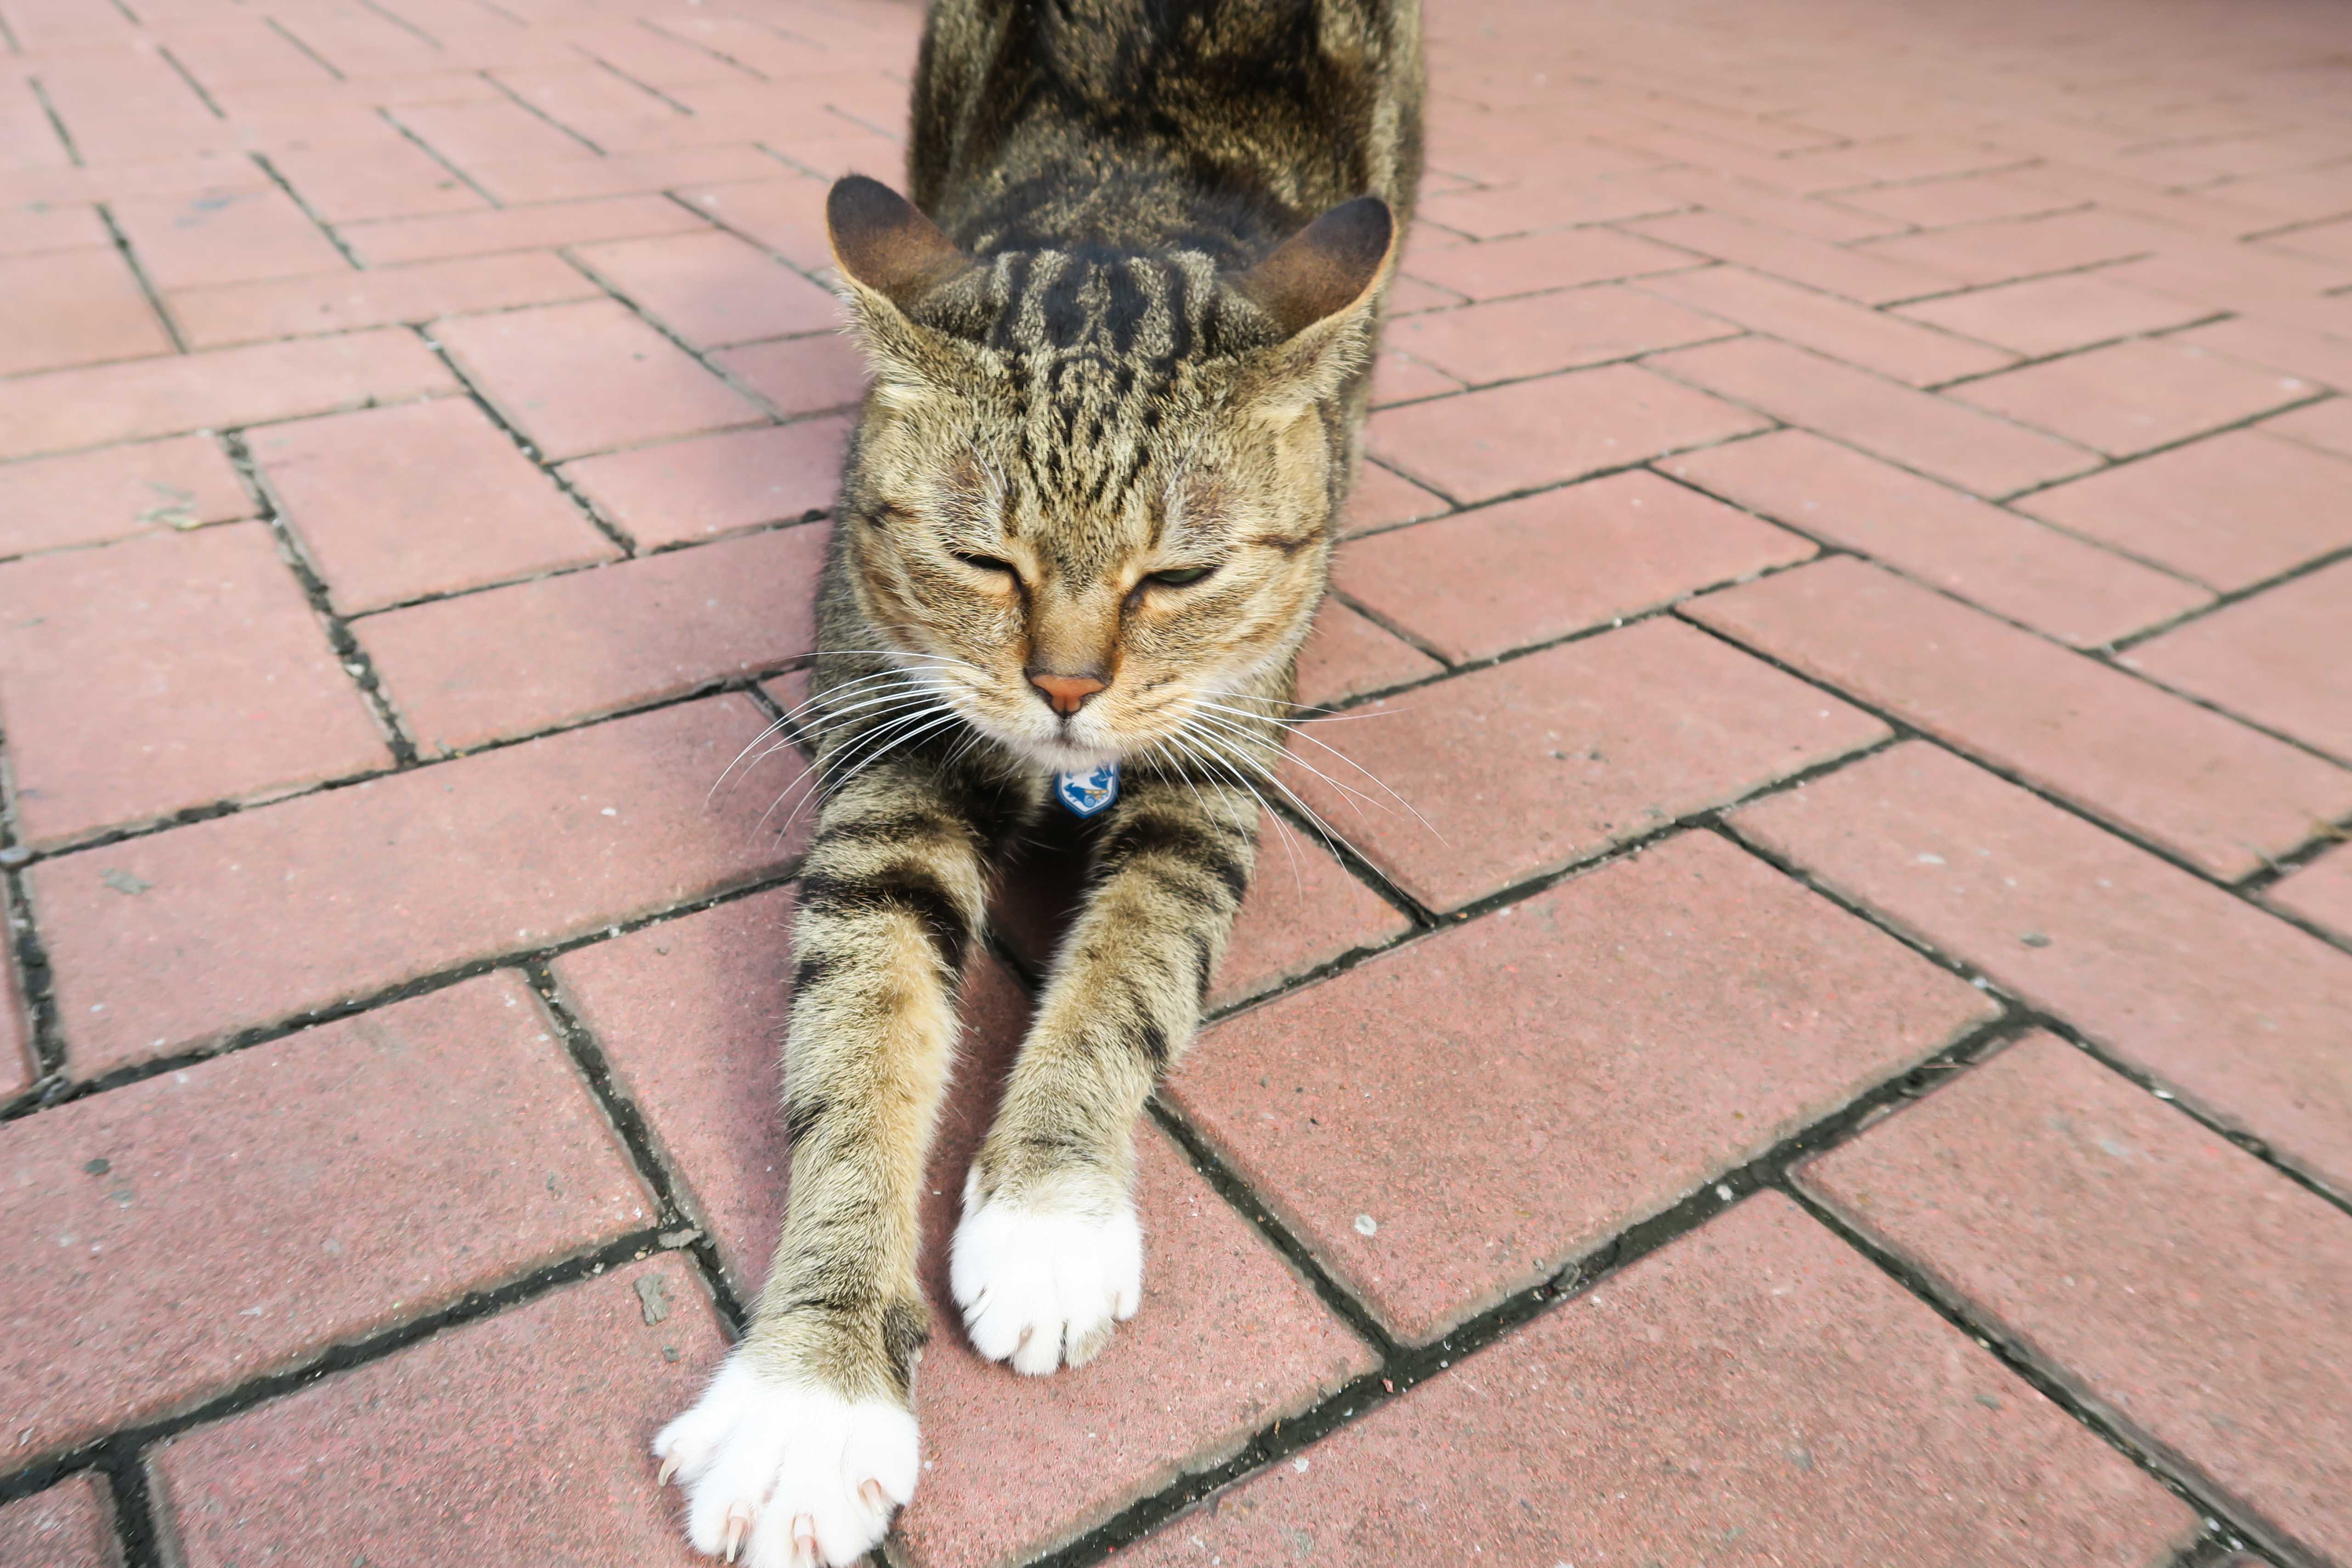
x=1321, y=288
x=890, y=256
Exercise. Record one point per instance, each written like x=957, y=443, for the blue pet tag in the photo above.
x=1088, y=793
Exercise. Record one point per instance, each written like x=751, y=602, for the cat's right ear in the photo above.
x=883, y=245
x=890, y=256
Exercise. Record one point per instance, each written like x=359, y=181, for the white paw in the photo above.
x=1042, y=1286
x=786, y=1475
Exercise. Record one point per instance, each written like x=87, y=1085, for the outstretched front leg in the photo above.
x=805, y=1442
x=1048, y=1255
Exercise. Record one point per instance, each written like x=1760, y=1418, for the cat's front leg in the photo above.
x=805, y=1443
x=1049, y=1256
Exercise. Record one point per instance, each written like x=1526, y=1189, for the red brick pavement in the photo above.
x=1850, y=581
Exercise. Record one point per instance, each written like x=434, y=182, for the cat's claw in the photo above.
x=1042, y=1287
x=780, y=1474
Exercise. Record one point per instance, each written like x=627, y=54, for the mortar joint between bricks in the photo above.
x=189, y=77
x=131, y=1445
x=155, y=300
x=261, y=162
x=56, y=121
x=1905, y=730
x=385, y=112
x=711, y=366
x=2191, y=1106
x=18, y=856
x=2169, y=1470
x=403, y=24
x=628, y=1122
x=1403, y=1367
x=228, y=1042
x=535, y=111
x=324, y=64
x=137, y=1522
x=2221, y=601
x=2037, y=1017
x=348, y=654
x=620, y=537
x=36, y=989
x=644, y=86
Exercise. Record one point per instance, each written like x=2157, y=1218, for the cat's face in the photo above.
x=1177, y=573
x=1090, y=501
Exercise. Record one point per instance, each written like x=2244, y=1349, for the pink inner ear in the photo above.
x=1323, y=268
x=882, y=240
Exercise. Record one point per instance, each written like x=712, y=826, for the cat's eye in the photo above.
x=985, y=563
x=1179, y=576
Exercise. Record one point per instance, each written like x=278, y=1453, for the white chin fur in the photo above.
x=1042, y=1287
x=788, y=1475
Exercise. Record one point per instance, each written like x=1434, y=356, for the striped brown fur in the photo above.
x=1112, y=341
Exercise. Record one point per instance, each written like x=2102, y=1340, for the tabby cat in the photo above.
x=1119, y=340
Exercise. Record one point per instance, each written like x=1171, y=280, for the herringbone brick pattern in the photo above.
x=1854, y=568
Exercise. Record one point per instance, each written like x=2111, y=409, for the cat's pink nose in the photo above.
x=1068, y=693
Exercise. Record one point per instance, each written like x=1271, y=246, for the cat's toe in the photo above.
x=1042, y=1286
x=780, y=1474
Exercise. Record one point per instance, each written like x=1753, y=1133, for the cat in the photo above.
x=1120, y=339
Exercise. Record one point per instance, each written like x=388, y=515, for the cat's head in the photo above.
x=1095, y=490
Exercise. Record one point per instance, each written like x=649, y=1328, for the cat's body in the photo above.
x=1085, y=519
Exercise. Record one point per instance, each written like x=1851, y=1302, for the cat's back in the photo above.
x=1213, y=124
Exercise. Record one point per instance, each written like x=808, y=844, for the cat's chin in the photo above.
x=1050, y=755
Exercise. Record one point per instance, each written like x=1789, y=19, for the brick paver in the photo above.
x=1528, y=766
x=2282, y=658
x=2239, y=1012
x=429, y=411
x=2202, y=785
x=339, y=302
x=2051, y=315
x=1541, y=433
x=1572, y=1030
x=799, y=375
x=254, y=917
x=66, y=307
x=388, y=243
x=1533, y=570
x=395, y=504
x=1932, y=434
x=2013, y=567
x=488, y=666
x=1536, y=264
x=233, y=237
x=2134, y=397
x=577, y=379
x=2326, y=426
x=681, y=492
x=194, y=1230
x=1510, y=340
x=70, y=1525
x=2151, y=1265
x=1348, y=654
x=66, y=410
x=712, y=289
x=1754, y=1387
x=518, y=1439
x=2232, y=510
x=2321, y=892
x=1871, y=339
x=166, y=672
x=1382, y=498
x=91, y=497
